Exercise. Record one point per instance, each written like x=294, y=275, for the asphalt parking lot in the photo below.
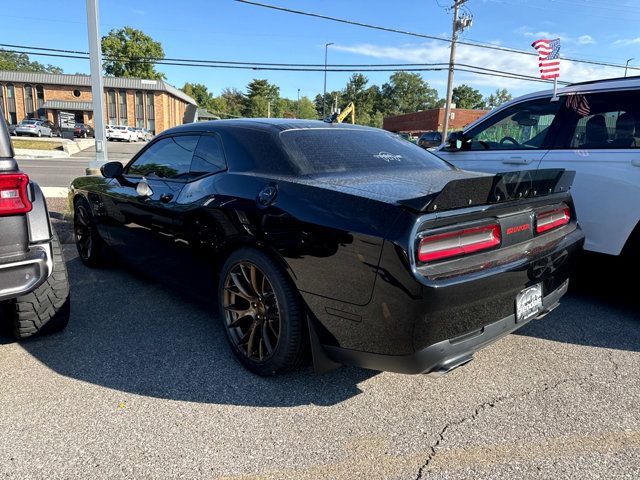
x=143, y=385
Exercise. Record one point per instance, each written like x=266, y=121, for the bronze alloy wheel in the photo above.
x=251, y=311
x=83, y=231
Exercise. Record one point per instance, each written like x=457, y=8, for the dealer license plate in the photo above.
x=529, y=303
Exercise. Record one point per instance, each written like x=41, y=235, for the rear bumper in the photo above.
x=445, y=355
x=22, y=274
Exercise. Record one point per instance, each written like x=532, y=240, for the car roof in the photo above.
x=272, y=125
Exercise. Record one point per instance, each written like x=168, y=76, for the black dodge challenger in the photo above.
x=344, y=241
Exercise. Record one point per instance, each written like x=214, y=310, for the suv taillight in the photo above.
x=551, y=219
x=13, y=193
x=458, y=242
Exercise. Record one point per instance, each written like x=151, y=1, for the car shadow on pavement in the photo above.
x=137, y=336
x=600, y=310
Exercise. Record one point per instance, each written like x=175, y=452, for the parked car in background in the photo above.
x=83, y=130
x=34, y=286
x=408, y=137
x=143, y=135
x=34, y=128
x=123, y=133
x=430, y=140
x=373, y=250
x=593, y=128
x=12, y=129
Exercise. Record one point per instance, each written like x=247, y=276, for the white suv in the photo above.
x=593, y=129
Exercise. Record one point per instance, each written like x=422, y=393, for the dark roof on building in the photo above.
x=66, y=105
x=85, y=81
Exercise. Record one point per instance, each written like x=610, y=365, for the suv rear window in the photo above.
x=346, y=150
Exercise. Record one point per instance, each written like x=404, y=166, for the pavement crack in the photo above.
x=616, y=367
x=433, y=449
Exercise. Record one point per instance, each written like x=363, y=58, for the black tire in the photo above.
x=290, y=348
x=48, y=307
x=90, y=246
x=39, y=133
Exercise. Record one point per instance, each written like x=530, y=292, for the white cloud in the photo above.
x=585, y=40
x=581, y=40
x=626, y=42
x=438, y=52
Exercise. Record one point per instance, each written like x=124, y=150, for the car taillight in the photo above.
x=459, y=242
x=551, y=219
x=13, y=194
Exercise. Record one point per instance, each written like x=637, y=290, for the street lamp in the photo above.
x=626, y=66
x=298, y=105
x=324, y=91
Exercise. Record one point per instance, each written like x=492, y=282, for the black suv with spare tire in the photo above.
x=34, y=287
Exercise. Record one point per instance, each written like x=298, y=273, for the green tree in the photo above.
x=262, y=96
x=465, y=96
x=233, y=101
x=329, y=100
x=199, y=92
x=498, y=98
x=408, y=92
x=306, y=109
x=124, y=51
x=20, y=62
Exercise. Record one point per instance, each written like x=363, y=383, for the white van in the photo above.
x=593, y=128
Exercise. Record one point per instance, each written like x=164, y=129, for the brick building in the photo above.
x=151, y=104
x=433, y=119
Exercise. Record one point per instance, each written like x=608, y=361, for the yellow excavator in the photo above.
x=348, y=110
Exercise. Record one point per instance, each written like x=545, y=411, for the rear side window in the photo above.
x=523, y=126
x=601, y=120
x=208, y=157
x=167, y=158
x=345, y=150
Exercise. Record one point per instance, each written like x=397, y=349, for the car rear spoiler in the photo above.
x=501, y=187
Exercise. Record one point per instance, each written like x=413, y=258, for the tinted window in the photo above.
x=208, y=157
x=520, y=127
x=167, y=158
x=345, y=150
x=432, y=136
x=601, y=120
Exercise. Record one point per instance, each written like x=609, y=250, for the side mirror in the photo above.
x=111, y=170
x=455, y=140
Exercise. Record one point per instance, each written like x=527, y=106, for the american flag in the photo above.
x=579, y=104
x=548, y=57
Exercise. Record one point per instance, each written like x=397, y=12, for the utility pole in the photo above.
x=458, y=26
x=97, y=88
x=269, y=109
x=298, y=105
x=324, y=91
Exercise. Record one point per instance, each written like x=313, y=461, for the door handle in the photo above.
x=166, y=197
x=635, y=163
x=517, y=161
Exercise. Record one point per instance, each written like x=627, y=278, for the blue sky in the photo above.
x=227, y=30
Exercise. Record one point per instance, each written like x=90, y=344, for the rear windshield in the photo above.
x=432, y=136
x=29, y=122
x=345, y=150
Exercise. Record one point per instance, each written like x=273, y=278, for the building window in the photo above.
x=11, y=104
x=151, y=113
x=122, y=94
x=28, y=101
x=111, y=107
x=40, y=100
x=139, y=110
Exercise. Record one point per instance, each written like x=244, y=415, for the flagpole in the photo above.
x=555, y=97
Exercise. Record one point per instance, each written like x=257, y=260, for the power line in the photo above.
x=436, y=67
x=420, y=35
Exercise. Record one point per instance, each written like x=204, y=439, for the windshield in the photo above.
x=348, y=150
x=29, y=122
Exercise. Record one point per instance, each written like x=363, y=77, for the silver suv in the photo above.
x=592, y=128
